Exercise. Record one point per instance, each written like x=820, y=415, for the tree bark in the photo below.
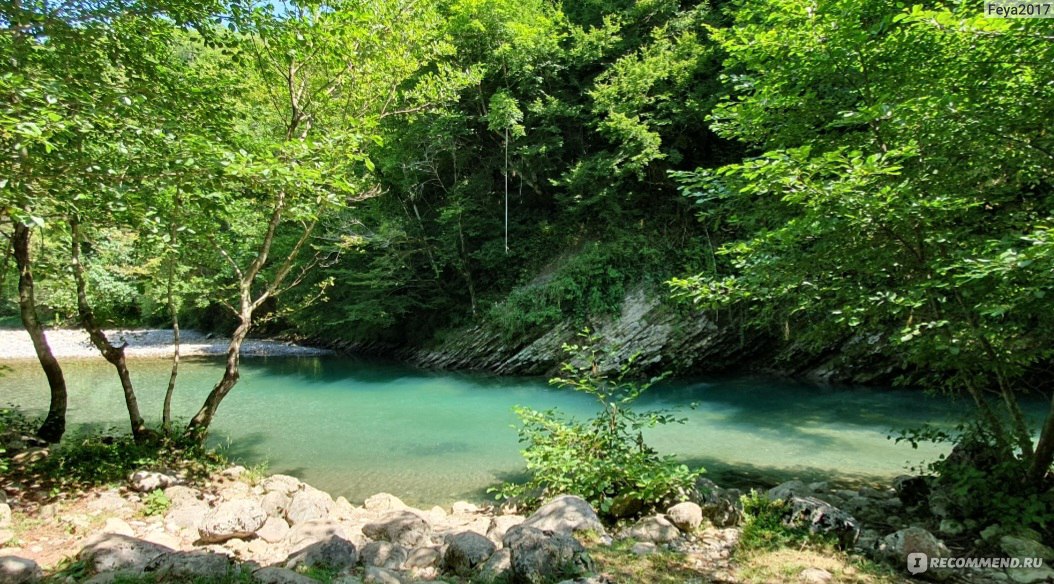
x=1044, y=455
x=173, y=310
x=115, y=355
x=198, y=427
x=54, y=425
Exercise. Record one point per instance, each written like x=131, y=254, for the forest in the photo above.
x=860, y=182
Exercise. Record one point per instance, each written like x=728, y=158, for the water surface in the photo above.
x=355, y=427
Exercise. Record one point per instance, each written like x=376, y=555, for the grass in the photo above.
x=764, y=566
x=662, y=567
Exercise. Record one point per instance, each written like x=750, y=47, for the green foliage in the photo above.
x=156, y=503
x=765, y=527
x=605, y=458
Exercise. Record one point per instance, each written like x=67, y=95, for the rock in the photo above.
x=276, y=575
x=188, y=566
x=275, y=503
x=375, y=575
x=180, y=494
x=274, y=530
x=335, y=553
x=500, y=524
x=309, y=504
x=5, y=515
x=686, y=516
x=401, y=527
x=1021, y=547
x=384, y=502
x=464, y=508
x=822, y=517
x=148, y=481
x=656, y=529
x=720, y=506
x=422, y=558
x=644, y=548
x=108, y=552
x=951, y=527
x=565, y=514
x=118, y=526
x=343, y=510
x=384, y=554
x=497, y=566
x=815, y=576
x=1031, y=575
x=233, y=472
x=940, y=504
x=6, y=535
x=787, y=490
x=313, y=531
x=236, y=491
x=232, y=519
x=107, y=502
x=912, y=540
x=536, y=557
x=187, y=514
x=283, y=484
x=162, y=538
x=465, y=551
x=16, y=570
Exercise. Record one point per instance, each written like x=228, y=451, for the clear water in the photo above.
x=355, y=428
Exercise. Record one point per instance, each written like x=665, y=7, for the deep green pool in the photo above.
x=356, y=428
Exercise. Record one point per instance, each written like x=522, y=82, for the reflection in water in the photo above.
x=355, y=428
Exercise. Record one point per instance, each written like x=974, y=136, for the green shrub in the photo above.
x=764, y=527
x=602, y=459
x=156, y=503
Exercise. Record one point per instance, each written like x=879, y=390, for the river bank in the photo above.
x=145, y=343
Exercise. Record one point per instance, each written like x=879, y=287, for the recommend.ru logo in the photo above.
x=920, y=562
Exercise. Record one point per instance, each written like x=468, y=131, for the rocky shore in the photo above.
x=148, y=343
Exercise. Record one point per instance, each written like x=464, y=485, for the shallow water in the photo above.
x=355, y=427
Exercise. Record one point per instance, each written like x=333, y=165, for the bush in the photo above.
x=156, y=503
x=603, y=459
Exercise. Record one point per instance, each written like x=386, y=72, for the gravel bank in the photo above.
x=150, y=343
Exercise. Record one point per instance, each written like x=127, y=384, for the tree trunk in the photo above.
x=198, y=428
x=173, y=310
x=54, y=425
x=115, y=355
x=1044, y=454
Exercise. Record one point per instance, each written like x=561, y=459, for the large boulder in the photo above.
x=109, y=552
x=147, y=481
x=565, y=514
x=789, y=489
x=16, y=570
x=189, y=566
x=313, y=531
x=536, y=557
x=912, y=540
x=336, y=554
x=497, y=567
x=822, y=518
x=402, y=527
x=283, y=484
x=720, y=506
x=1022, y=547
x=465, y=551
x=384, y=554
x=686, y=516
x=275, y=503
x=309, y=504
x=500, y=525
x=656, y=529
x=274, y=530
x=384, y=502
x=231, y=519
x=186, y=513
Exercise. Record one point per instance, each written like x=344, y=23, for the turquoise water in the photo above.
x=355, y=428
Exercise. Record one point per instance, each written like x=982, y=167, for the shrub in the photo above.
x=602, y=459
x=156, y=503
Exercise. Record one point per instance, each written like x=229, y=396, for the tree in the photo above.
x=901, y=201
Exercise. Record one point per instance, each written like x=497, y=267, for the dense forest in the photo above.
x=859, y=178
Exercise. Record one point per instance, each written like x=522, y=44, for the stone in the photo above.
x=277, y=575
x=343, y=510
x=565, y=514
x=283, y=484
x=401, y=527
x=233, y=472
x=335, y=553
x=536, y=557
x=787, y=490
x=384, y=502
x=313, y=531
x=275, y=503
x=465, y=551
x=107, y=502
x=187, y=514
x=912, y=540
x=308, y=504
x=500, y=524
x=190, y=565
x=1031, y=575
x=236, y=491
x=375, y=575
x=950, y=527
x=274, y=530
x=815, y=576
x=720, y=506
x=644, y=548
x=656, y=529
x=5, y=515
x=118, y=526
x=1022, y=547
x=6, y=535
x=162, y=538
x=231, y=519
x=686, y=516
x=384, y=554
x=108, y=552
x=464, y=508
x=148, y=481
x=822, y=517
x=179, y=494
x=497, y=566
x=422, y=558
x=16, y=570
